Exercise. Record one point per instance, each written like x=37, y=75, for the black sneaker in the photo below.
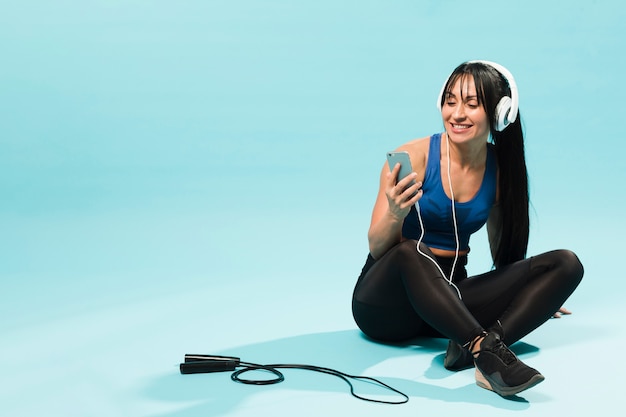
x=457, y=357
x=499, y=370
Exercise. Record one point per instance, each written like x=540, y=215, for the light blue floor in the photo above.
x=197, y=177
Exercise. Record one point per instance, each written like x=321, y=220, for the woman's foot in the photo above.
x=499, y=370
x=457, y=357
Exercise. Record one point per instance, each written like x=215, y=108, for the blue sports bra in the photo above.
x=436, y=210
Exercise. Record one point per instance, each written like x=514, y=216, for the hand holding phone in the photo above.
x=401, y=157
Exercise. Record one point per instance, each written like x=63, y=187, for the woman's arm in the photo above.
x=393, y=203
x=392, y=206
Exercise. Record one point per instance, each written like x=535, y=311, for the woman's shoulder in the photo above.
x=418, y=150
x=416, y=145
x=418, y=153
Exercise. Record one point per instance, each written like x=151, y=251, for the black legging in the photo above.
x=403, y=295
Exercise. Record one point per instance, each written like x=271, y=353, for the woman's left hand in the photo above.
x=561, y=312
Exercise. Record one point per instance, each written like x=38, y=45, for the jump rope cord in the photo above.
x=247, y=366
x=456, y=230
x=195, y=364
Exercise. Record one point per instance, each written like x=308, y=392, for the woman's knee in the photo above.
x=571, y=263
x=406, y=248
x=568, y=266
x=406, y=251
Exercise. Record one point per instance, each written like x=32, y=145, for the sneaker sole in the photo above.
x=504, y=391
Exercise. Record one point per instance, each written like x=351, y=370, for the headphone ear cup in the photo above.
x=502, y=113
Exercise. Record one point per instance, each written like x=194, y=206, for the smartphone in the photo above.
x=401, y=157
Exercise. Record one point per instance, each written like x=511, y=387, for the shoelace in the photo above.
x=499, y=349
x=503, y=353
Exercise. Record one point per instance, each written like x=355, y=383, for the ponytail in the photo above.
x=514, y=196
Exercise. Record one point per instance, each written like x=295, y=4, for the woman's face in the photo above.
x=463, y=117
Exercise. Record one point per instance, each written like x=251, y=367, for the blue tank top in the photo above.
x=436, y=210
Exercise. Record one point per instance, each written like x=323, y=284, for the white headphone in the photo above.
x=507, y=108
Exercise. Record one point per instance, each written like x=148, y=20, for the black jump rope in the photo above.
x=200, y=364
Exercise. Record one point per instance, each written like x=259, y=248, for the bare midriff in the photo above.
x=444, y=253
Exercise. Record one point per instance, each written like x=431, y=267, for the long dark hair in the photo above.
x=491, y=86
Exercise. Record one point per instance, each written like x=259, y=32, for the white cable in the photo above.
x=419, y=241
x=456, y=228
x=456, y=231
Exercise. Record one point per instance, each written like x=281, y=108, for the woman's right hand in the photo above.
x=402, y=195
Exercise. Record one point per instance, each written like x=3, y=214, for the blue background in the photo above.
x=197, y=177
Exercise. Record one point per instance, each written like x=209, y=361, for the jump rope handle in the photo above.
x=201, y=364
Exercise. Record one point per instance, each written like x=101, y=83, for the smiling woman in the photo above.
x=414, y=282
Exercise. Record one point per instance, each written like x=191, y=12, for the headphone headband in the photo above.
x=508, y=108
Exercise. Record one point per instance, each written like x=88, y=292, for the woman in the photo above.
x=414, y=282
